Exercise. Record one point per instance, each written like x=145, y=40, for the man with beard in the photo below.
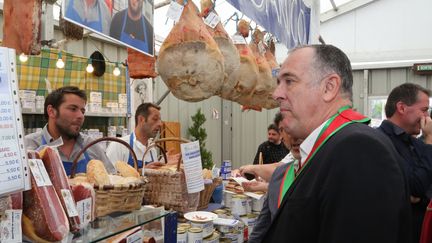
x=272, y=150
x=64, y=110
x=131, y=27
x=407, y=113
x=349, y=185
x=147, y=125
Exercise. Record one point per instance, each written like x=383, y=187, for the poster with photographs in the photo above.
x=128, y=22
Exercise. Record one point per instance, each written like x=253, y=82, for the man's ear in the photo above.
x=51, y=111
x=400, y=107
x=141, y=119
x=331, y=86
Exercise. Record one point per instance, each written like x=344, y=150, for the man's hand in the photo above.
x=255, y=186
x=172, y=157
x=250, y=169
x=154, y=165
x=426, y=127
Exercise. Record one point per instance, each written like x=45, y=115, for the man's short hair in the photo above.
x=277, y=120
x=273, y=127
x=144, y=110
x=330, y=59
x=56, y=97
x=407, y=93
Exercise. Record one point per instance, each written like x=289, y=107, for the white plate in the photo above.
x=200, y=216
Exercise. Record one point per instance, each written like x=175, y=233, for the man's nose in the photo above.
x=277, y=93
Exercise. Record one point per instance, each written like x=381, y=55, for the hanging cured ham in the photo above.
x=140, y=65
x=22, y=25
x=223, y=40
x=189, y=61
x=266, y=84
x=240, y=85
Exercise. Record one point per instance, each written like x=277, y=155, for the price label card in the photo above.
x=84, y=208
x=39, y=172
x=70, y=204
x=136, y=237
x=174, y=11
x=10, y=226
x=212, y=19
x=238, y=39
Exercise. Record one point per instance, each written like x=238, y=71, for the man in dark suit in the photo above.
x=407, y=112
x=349, y=185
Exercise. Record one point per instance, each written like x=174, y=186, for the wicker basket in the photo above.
x=206, y=194
x=168, y=187
x=118, y=198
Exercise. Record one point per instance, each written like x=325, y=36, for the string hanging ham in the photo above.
x=189, y=61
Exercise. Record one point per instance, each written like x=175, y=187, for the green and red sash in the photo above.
x=343, y=117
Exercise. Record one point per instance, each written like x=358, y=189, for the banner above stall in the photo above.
x=291, y=21
x=124, y=21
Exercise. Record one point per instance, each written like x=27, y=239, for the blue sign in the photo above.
x=288, y=20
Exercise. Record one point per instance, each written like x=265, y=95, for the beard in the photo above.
x=65, y=131
x=136, y=11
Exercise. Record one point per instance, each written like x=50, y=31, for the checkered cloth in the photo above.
x=32, y=75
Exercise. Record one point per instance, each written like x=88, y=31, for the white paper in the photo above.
x=135, y=237
x=12, y=149
x=84, y=208
x=253, y=195
x=10, y=226
x=39, y=172
x=238, y=39
x=70, y=204
x=226, y=222
x=192, y=165
x=174, y=11
x=212, y=19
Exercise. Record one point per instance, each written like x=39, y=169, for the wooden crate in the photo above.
x=169, y=130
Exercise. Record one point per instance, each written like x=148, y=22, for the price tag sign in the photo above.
x=136, y=237
x=238, y=39
x=174, y=11
x=12, y=150
x=39, y=172
x=212, y=19
x=70, y=204
x=84, y=208
x=10, y=226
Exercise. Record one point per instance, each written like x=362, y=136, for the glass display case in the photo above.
x=153, y=220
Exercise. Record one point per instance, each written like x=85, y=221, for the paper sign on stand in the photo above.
x=192, y=166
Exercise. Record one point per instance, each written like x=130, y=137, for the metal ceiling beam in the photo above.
x=334, y=5
x=162, y=4
x=344, y=8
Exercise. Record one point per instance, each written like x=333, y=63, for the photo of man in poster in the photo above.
x=93, y=14
x=131, y=27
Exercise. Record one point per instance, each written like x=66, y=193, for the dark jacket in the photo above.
x=417, y=158
x=353, y=190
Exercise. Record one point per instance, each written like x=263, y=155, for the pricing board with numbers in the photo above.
x=13, y=159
